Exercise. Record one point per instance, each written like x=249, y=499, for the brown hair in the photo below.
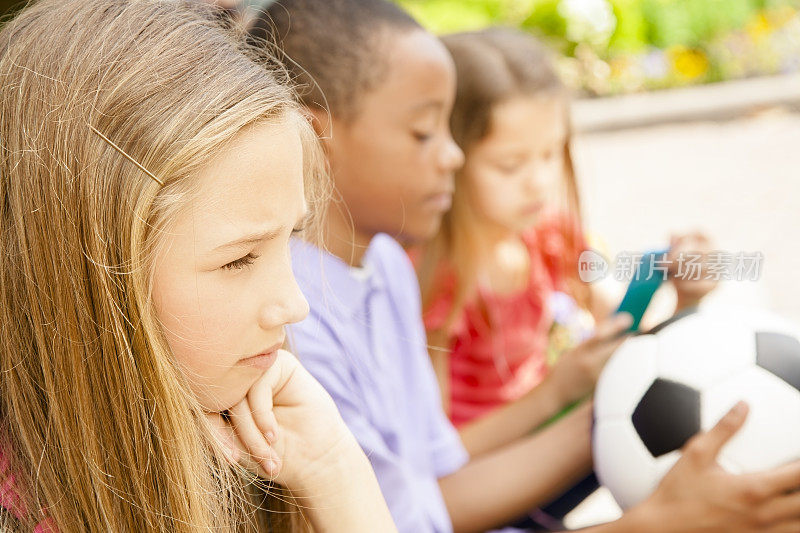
x=492, y=67
x=334, y=48
x=101, y=430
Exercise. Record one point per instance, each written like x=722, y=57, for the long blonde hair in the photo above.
x=98, y=424
x=492, y=67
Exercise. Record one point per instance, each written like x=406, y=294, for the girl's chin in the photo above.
x=527, y=220
x=234, y=393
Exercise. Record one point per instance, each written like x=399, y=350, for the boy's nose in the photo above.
x=452, y=156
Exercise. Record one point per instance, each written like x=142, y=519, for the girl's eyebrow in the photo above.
x=261, y=236
x=251, y=238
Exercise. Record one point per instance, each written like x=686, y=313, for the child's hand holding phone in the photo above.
x=578, y=369
x=685, y=263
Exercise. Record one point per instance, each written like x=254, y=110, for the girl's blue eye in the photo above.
x=241, y=263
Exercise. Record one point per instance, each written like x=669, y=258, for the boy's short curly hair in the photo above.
x=335, y=49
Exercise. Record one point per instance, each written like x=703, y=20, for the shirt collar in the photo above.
x=325, y=277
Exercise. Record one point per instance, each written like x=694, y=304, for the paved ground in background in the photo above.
x=738, y=180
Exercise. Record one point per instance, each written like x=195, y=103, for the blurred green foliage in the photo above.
x=639, y=23
x=613, y=46
x=698, y=40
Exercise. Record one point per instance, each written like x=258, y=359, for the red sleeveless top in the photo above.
x=499, y=342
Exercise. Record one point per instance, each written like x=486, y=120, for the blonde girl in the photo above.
x=152, y=170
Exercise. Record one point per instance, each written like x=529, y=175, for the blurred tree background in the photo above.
x=620, y=46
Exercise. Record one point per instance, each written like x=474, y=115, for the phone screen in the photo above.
x=648, y=276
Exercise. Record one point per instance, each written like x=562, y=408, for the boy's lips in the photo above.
x=441, y=201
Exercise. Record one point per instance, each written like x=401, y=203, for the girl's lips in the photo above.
x=533, y=209
x=261, y=361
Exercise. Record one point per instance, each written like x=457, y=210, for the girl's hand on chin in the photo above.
x=287, y=429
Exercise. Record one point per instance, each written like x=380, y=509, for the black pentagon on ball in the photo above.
x=780, y=355
x=667, y=416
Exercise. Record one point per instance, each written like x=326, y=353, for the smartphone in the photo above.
x=645, y=282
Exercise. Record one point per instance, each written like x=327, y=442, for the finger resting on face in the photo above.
x=261, y=408
x=254, y=442
x=252, y=464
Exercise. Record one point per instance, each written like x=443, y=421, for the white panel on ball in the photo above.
x=700, y=351
x=758, y=320
x=626, y=467
x=628, y=374
x=771, y=433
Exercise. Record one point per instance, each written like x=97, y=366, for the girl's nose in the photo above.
x=538, y=180
x=285, y=305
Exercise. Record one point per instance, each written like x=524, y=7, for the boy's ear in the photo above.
x=321, y=120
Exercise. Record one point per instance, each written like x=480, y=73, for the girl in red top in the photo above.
x=510, y=244
x=489, y=274
x=499, y=340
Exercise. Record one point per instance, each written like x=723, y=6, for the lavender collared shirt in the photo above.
x=365, y=342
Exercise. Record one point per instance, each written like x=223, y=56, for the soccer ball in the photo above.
x=662, y=387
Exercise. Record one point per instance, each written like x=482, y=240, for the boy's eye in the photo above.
x=241, y=263
x=422, y=136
